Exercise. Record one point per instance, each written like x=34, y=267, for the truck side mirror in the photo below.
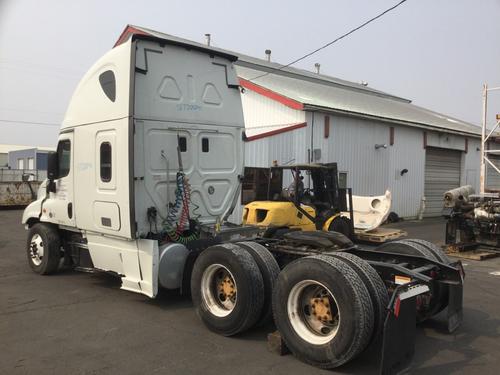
x=52, y=170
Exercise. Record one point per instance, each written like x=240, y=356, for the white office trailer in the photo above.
x=380, y=141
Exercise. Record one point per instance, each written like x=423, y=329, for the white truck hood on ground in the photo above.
x=370, y=212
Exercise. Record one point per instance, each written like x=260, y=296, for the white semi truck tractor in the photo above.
x=147, y=170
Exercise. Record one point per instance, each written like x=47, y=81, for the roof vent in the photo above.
x=317, y=66
x=208, y=39
x=268, y=54
x=363, y=83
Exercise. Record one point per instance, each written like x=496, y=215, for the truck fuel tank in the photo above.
x=172, y=259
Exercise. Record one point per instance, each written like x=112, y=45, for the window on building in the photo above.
x=31, y=163
x=20, y=163
x=105, y=161
x=108, y=84
x=327, y=126
x=343, y=180
x=64, y=157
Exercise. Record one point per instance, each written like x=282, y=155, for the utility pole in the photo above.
x=482, y=175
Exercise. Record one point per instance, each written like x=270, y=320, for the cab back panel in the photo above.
x=190, y=99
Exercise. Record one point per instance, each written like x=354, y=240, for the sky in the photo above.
x=438, y=53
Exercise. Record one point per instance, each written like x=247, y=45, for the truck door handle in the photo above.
x=70, y=210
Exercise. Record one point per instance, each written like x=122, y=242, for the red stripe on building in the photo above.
x=271, y=94
x=277, y=131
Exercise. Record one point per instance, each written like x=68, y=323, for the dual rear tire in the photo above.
x=328, y=308
x=231, y=286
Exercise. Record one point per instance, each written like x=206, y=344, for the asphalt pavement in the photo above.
x=80, y=323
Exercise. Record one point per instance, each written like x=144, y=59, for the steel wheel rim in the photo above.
x=36, y=249
x=219, y=290
x=313, y=312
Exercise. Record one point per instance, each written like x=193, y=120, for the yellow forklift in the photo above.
x=320, y=206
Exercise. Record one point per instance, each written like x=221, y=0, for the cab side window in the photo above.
x=64, y=157
x=105, y=156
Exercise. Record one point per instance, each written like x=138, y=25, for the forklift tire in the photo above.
x=43, y=249
x=342, y=225
x=269, y=270
x=376, y=288
x=434, y=249
x=323, y=310
x=227, y=289
x=439, y=299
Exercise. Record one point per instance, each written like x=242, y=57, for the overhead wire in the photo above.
x=30, y=122
x=333, y=41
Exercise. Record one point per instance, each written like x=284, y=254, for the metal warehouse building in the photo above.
x=380, y=141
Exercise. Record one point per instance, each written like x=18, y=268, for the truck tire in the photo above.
x=376, y=288
x=439, y=296
x=227, y=289
x=408, y=248
x=43, y=249
x=269, y=270
x=434, y=249
x=323, y=310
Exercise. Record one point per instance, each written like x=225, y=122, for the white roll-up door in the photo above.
x=442, y=173
x=492, y=176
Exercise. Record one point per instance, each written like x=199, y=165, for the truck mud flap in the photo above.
x=400, y=329
x=455, y=307
x=455, y=299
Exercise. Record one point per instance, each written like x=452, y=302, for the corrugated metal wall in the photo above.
x=470, y=164
x=351, y=143
x=285, y=148
x=263, y=114
x=407, y=153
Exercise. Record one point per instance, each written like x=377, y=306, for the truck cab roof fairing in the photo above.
x=193, y=45
x=92, y=100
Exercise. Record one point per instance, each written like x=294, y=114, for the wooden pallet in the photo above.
x=379, y=235
x=475, y=254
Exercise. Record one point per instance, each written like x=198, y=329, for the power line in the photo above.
x=30, y=64
x=28, y=110
x=333, y=41
x=30, y=122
